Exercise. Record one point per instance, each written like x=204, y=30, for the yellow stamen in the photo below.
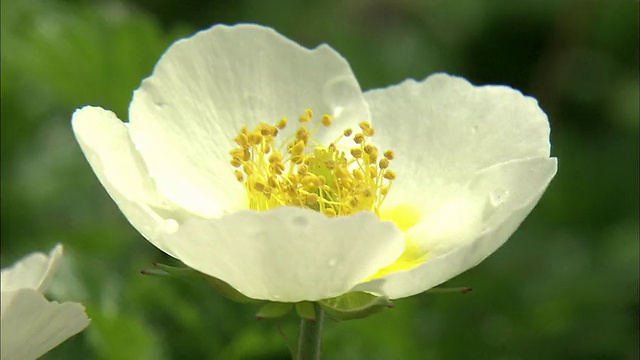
x=301, y=172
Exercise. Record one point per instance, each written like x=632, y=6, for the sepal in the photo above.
x=355, y=305
x=273, y=310
x=305, y=310
x=188, y=273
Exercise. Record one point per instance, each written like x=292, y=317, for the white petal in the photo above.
x=31, y=325
x=105, y=141
x=289, y=254
x=34, y=271
x=205, y=88
x=444, y=129
x=509, y=192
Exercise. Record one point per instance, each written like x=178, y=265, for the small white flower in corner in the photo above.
x=262, y=163
x=32, y=325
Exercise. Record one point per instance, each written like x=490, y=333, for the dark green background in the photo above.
x=564, y=287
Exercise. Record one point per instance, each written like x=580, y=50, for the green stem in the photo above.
x=310, y=340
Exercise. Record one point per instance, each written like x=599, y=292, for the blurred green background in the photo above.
x=564, y=287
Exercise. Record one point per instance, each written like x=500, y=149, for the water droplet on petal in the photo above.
x=253, y=102
x=171, y=226
x=498, y=197
x=300, y=220
x=333, y=262
x=338, y=91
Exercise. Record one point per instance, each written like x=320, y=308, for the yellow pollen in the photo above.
x=299, y=171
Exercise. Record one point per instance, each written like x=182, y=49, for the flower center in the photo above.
x=299, y=171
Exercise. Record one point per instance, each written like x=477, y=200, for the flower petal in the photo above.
x=34, y=271
x=509, y=191
x=205, y=88
x=443, y=129
x=31, y=325
x=105, y=141
x=288, y=254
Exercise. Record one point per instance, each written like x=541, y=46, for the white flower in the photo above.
x=32, y=325
x=208, y=170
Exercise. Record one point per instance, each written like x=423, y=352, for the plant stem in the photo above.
x=310, y=340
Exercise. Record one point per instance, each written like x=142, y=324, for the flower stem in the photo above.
x=310, y=340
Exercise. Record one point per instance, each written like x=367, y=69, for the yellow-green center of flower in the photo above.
x=299, y=171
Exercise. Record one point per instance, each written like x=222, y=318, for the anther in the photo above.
x=384, y=163
x=265, y=129
x=368, y=149
x=255, y=138
x=312, y=199
x=330, y=164
x=242, y=140
x=347, y=132
x=275, y=157
x=282, y=123
x=389, y=154
x=327, y=120
x=239, y=175
x=389, y=174
x=298, y=148
x=356, y=153
x=235, y=162
x=358, y=138
x=259, y=186
x=306, y=117
x=237, y=153
x=373, y=171
x=303, y=134
x=367, y=129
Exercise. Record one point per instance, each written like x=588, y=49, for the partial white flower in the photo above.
x=32, y=325
x=262, y=163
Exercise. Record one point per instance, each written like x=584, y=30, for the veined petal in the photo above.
x=34, y=271
x=31, y=325
x=443, y=129
x=105, y=141
x=288, y=254
x=508, y=192
x=205, y=88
